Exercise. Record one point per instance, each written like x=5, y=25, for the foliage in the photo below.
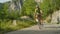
x=7, y=26
x=49, y=6
x=28, y=7
x=6, y=14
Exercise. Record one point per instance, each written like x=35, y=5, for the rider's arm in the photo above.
x=41, y=12
x=35, y=15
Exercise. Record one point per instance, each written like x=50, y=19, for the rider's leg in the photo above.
x=40, y=24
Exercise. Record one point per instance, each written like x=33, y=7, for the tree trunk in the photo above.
x=14, y=22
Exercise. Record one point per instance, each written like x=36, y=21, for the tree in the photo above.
x=28, y=7
x=49, y=6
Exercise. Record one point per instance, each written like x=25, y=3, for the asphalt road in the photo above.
x=36, y=32
x=48, y=29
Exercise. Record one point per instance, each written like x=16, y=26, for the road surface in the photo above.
x=47, y=29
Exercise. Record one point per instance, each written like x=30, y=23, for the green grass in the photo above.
x=7, y=26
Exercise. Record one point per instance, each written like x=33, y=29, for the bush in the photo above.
x=7, y=25
x=49, y=6
x=28, y=8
